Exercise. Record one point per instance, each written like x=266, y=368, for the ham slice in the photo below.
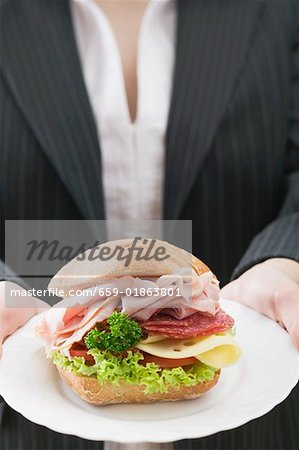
x=95, y=316
x=195, y=294
x=59, y=321
x=70, y=319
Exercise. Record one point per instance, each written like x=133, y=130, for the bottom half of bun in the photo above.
x=92, y=391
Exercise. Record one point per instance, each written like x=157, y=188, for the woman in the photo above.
x=124, y=109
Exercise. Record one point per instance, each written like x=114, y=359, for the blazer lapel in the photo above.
x=41, y=65
x=212, y=42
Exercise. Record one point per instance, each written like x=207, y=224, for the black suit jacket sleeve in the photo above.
x=2, y=270
x=7, y=274
x=281, y=237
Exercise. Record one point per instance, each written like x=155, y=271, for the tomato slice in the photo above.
x=83, y=353
x=166, y=363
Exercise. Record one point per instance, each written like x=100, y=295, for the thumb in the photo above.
x=286, y=310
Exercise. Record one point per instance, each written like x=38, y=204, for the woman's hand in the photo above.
x=272, y=288
x=16, y=310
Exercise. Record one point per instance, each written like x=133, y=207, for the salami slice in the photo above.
x=196, y=325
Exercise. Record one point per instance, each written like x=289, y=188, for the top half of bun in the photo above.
x=82, y=273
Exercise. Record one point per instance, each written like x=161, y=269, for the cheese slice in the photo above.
x=217, y=350
x=221, y=357
x=152, y=338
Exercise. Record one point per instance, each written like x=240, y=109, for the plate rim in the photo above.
x=163, y=436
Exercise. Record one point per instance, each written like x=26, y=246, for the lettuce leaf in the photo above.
x=111, y=368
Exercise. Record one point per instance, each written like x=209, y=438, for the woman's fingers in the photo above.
x=271, y=292
x=15, y=310
x=231, y=291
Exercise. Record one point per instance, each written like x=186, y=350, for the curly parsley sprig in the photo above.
x=122, y=334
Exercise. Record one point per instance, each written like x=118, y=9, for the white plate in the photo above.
x=265, y=375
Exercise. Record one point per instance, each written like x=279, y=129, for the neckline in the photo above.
x=116, y=55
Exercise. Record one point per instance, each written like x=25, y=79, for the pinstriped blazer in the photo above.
x=232, y=148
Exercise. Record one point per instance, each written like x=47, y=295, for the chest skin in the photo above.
x=125, y=18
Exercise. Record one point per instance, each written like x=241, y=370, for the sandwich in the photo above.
x=138, y=328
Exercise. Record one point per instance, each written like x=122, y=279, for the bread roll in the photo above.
x=92, y=391
x=81, y=274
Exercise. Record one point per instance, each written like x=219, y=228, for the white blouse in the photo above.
x=132, y=153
